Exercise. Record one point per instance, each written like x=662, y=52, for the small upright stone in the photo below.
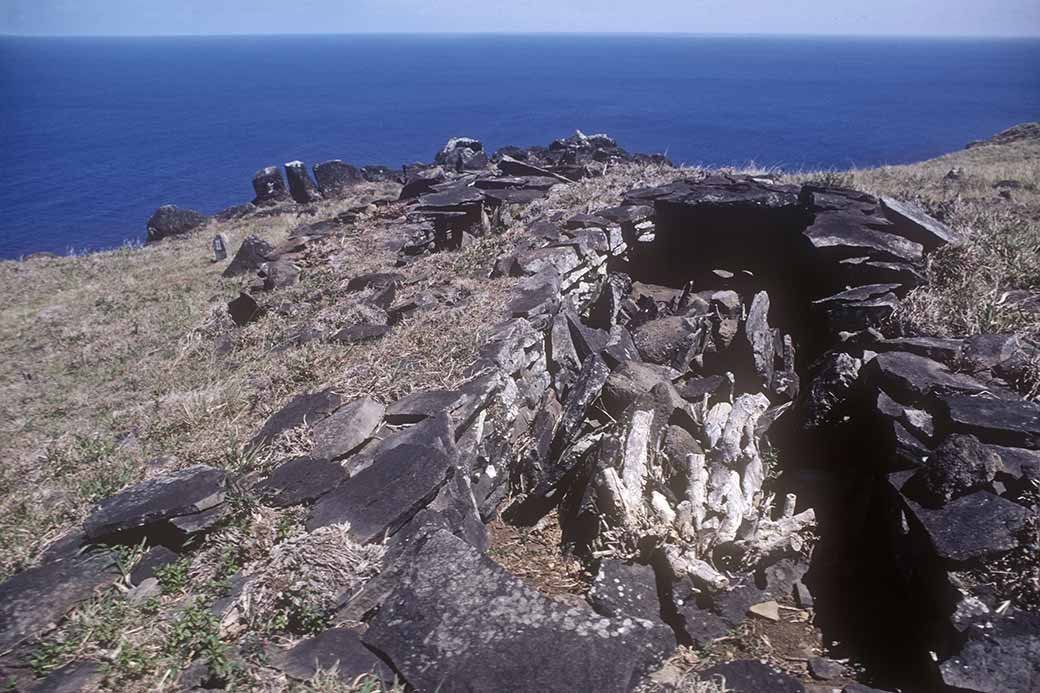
x=301, y=187
x=219, y=247
x=269, y=187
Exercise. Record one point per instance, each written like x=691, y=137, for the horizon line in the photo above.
x=662, y=34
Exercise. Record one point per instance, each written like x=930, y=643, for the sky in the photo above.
x=835, y=17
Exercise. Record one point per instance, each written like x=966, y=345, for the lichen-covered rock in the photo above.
x=457, y=622
x=972, y=528
x=347, y=429
x=338, y=649
x=300, y=480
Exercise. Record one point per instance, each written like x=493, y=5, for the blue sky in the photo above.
x=864, y=17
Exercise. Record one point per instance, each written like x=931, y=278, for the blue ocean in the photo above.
x=95, y=133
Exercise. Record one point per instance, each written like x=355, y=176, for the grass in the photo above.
x=123, y=364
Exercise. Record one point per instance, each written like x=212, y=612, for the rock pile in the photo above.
x=658, y=366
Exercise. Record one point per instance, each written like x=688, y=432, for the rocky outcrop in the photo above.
x=269, y=186
x=170, y=221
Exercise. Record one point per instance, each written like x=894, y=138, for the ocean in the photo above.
x=95, y=133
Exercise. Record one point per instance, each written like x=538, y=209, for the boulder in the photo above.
x=307, y=408
x=300, y=480
x=824, y=669
x=269, y=186
x=422, y=182
x=33, y=600
x=671, y=341
x=456, y=621
x=301, y=187
x=378, y=500
x=154, y=558
x=1009, y=422
x=244, y=310
x=338, y=649
x=184, y=492
x=972, y=528
x=279, y=274
x=253, y=253
x=334, y=178
x=462, y=154
x=961, y=464
x=170, y=220
x=346, y=430
x=630, y=381
x=535, y=296
x=513, y=167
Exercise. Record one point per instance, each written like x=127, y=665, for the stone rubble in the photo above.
x=651, y=360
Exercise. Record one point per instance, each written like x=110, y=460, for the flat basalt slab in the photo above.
x=972, y=527
x=338, y=648
x=1000, y=654
x=421, y=405
x=847, y=234
x=747, y=676
x=458, y=622
x=347, y=429
x=34, y=599
x=184, y=492
x=305, y=408
x=1015, y=423
x=910, y=378
x=733, y=191
x=300, y=480
x=383, y=497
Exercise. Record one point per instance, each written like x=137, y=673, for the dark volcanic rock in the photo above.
x=253, y=252
x=75, y=677
x=625, y=589
x=512, y=167
x=911, y=221
x=375, y=280
x=459, y=622
x=420, y=405
x=422, y=182
x=244, y=310
x=269, y=186
x=829, y=389
x=301, y=187
x=911, y=378
x=278, y=274
x=300, y=480
x=535, y=296
x=824, y=669
x=301, y=409
x=334, y=177
x=852, y=235
x=338, y=648
x=670, y=341
x=170, y=220
x=960, y=465
x=380, y=499
x=945, y=351
x=184, y=492
x=1015, y=423
x=630, y=381
x=972, y=527
x=1000, y=655
x=348, y=429
x=34, y=599
x=747, y=676
x=462, y=154
x=356, y=334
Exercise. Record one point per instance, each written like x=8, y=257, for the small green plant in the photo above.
x=298, y=612
x=173, y=577
x=195, y=633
